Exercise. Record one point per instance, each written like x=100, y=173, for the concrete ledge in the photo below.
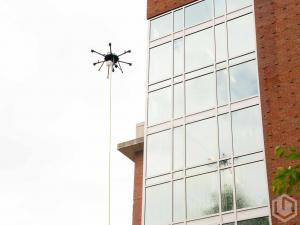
x=129, y=148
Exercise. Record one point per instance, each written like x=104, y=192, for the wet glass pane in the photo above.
x=198, y=13
x=243, y=81
x=202, y=195
x=199, y=50
x=257, y=221
x=251, y=186
x=241, y=38
x=226, y=190
x=161, y=26
x=247, y=131
x=178, y=201
x=178, y=56
x=224, y=136
x=178, y=100
x=201, y=142
x=160, y=67
x=220, y=7
x=178, y=148
x=221, y=43
x=178, y=20
x=158, y=209
x=159, y=106
x=159, y=153
x=222, y=87
x=200, y=94
x=233, y=5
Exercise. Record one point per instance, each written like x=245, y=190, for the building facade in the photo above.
x=222, y=93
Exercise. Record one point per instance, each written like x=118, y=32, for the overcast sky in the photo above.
x=54, y=109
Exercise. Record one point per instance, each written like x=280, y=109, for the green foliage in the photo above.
x=287, y=180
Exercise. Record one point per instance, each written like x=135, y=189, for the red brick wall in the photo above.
x=157, y=7
x=138, y=188
x=278, y=46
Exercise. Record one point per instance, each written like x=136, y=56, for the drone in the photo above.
x=111, y=59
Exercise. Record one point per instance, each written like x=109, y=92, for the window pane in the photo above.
x=178, y=56
x=224, y=136
x=221, y=43
x=257, y=221
x=178, y=148
x=158, y=205
x=178, y=201
x=202, y=195
x=199, y=50
x=227, y=190
x=161, y=26
x=201, y=142
x=160, y=67
x=219, y=7
x=159, y=106
x=247, y=131
x=159, y=153
x=222, y=87
x=243, y=81
x=178, y=100
x=200, y=94
x=178, y=20
x=233, y=5
x=241, y=38
x=228, y=224
x=198, y=13
x=251, y=187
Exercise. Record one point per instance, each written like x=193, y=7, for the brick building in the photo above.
x=222, y=93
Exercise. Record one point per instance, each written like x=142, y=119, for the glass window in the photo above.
x=178, y=201
x=178, y=20
x=178, y=148
x=200, y=94
x=233, y=5
x=161, y=26
x=201, y=142
x=158, y=209
x=198, y=13
x=226, y=190
x=178, y=56
x=221, y=43
x=220, y=8
x=160, y=67
x=228, y=223
x=199, y=50
x=251, y=187
x=241, y=38
x=159, y=153
x=224, y=136
x=247, y=131
x=178, y=100
x=257, y=221
x=222, y=87
x=159, y=106
x=243, y=81
x=202, y=195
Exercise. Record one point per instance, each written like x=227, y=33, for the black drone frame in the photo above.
x=114, y=58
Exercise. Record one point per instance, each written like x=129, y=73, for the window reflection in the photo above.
x=160, y=63
x=233, y=5
x=178, y=100
x=226, y=190
x=178, y=201
x=222, y=87
x=161, y=26
x=257, y=221
x=199, y=50
x=221, y=43
x=198, y=13
x=178, y=56
x=220, y=8
x=224, y=136
x=178, y=20
x=201, y=142
x=179, y=148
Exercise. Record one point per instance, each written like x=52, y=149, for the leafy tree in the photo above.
x=287, y=179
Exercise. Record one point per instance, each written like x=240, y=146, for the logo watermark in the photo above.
x=284, y=208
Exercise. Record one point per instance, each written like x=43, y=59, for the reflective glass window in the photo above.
x=247, y=131
x=158, y=209
x=160, y=63
x=178, y=100
x=178, y=201
x=241, y=37
x=160, y=106
x=198, y=13
x=178, y=56
x=256, y=221
x=200, y=94
x=178, y=157
x=224, y=136
x=159, y=153
x=220, y=8
x=202, y=195
x=243, y=81
x=222, y=87
x=221, y=43
x=199, y=50
x=201, y=142
x=161, y=26
x=251, y=186
x=226, y=190
x=233, y=5
x=178, y=20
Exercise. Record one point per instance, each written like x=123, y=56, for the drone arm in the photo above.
x=130, y=64
x=125, y=52
x=93, y=51
x=120, y=67
x=110, y=48
x=101, y=66
x=95, y=63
